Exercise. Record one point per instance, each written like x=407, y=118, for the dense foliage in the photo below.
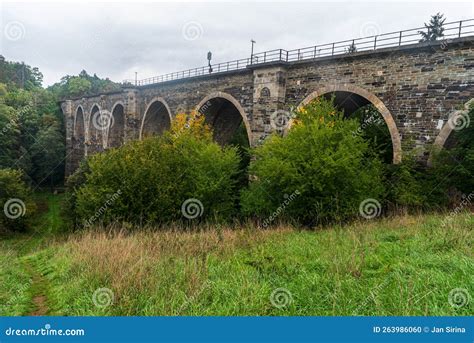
x=15, y=200
x=83, y=84
x=31, y=121
x=149, y=181
x=324, y=169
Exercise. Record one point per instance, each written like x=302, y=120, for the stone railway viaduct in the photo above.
x=416, y=87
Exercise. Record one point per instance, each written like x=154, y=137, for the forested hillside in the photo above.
x=31, y=121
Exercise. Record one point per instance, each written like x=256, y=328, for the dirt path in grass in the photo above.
x=38, y=291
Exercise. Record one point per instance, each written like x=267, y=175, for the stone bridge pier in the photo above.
x=417, y=88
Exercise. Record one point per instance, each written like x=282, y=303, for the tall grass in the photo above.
x=398, y=266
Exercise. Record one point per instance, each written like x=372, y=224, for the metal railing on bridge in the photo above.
x=452, y=30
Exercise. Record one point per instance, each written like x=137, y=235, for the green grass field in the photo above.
x=411, y=265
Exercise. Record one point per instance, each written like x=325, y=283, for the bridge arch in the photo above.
x=449, y=127
x=93, y=121
x=115, y=134
x=79, y=123
x=79, y=133
x=224, y=114
x=156, y=118
x=370, y=98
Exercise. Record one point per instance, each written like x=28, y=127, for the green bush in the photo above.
x=73, y=184
x=320, y=172
x=454, y=166
x=405, y=185
x=17, y=206
x=149, y=181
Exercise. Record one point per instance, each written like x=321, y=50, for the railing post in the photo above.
x=237, y=64
x=460, y=27
x=280, y=56
x=375, y=43
x=400, y=39
x=287, y=55
x=299, y=54
x=332, y=53
x=264, y=57
x=315, y=51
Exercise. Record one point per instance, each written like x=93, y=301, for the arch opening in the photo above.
x=157, y=119
x=226, y=121
x=78, y=137
x=116, y=131
x=376, y=121
x=229, y=124
x=94, y=119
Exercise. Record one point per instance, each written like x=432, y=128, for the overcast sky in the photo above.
x=117, y=39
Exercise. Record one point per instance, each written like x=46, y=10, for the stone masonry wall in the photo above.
x=415, y=88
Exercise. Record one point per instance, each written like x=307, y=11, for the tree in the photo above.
x=434, y=28
x=48, y=152
x=351, y=48
x=78, y=85
x=318, y=173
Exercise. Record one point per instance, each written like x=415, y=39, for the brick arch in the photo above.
x=374, y=100
x=83, y=120
x=151, y=103
x=234, y=102
x=448, y=128
x=79, y=138
x=94, y=137
x=108, y=142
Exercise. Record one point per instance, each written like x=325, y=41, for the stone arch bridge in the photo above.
x=415, y=86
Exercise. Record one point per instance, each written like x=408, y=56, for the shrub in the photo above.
x=455, y=165
x=148, y=181
x=16, y=203
x=405, y=185
x=320, y=172
x=73, y=184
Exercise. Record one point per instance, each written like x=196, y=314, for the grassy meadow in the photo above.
x=404, y=265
